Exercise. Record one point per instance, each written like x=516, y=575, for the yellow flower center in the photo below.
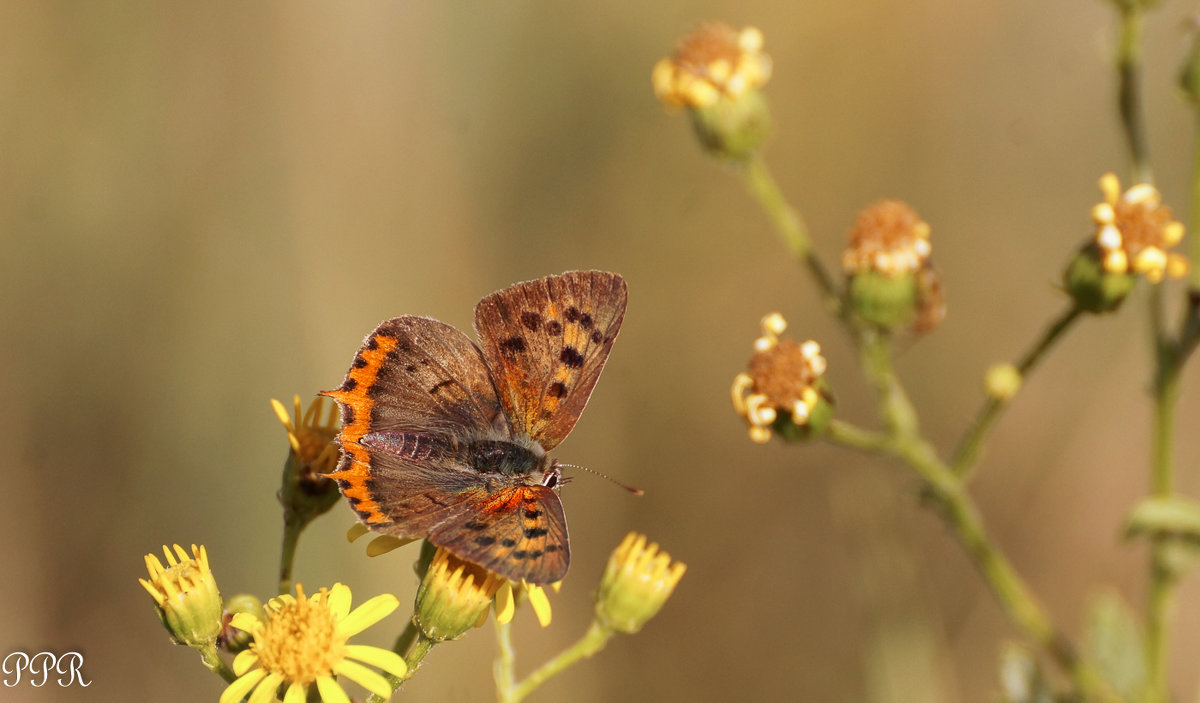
x=300, y=640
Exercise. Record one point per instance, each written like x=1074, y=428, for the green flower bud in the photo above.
x=454, y=596
x=1093, y=288
x=637, y=582
x=185, y=595
x=233, y=639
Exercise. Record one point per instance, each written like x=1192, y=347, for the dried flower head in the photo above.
x=784, y=376
x=888, y=238
x=715, y=60
x=1135, y=231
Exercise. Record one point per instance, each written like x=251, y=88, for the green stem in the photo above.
x=592, y=641
x=413, y=646
x=961, y=515
x=212, y=659
x=789, y=223
x=970, y=448
x=1194, y=219
x=1129, y=99
x=1162, y=479
x=504, y=668
x=287, y=553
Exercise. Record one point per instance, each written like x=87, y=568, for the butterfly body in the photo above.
x=447, y=440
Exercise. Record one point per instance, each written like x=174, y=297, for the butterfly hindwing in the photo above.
x=519, y=532
x=546, y=342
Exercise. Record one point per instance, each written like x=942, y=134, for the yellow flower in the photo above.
x=303, y=643
x=186, y=595
x=459, y=584
x=713, y=61
x=1134, y=232
x=637, y=582
x=310, y=437
x=454, y=596
x=784, y=376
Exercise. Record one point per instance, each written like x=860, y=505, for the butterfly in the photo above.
x=446, y=439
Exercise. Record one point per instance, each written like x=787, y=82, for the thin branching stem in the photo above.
x=970, y=448
x=1129, y=94
x=593, y=641
x=790, y=224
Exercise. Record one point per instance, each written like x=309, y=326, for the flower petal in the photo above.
x=295, y=694
x=265, y=691
x=237, y=690
x=367, y=678
x=244, y=661
x=330, y=691
x=367, y=614
x=339, y=600
x=540, y=604
x=385, y=659
x=245, y=621
x=505, y=607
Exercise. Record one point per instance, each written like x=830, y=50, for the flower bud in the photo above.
x=637, y=582
x=186, y=597
x=454, y=596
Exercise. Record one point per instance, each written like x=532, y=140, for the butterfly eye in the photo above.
x=550, y=480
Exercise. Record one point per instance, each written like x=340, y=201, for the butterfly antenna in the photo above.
x=631, y=489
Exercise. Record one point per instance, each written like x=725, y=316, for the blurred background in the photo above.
x=207, y=205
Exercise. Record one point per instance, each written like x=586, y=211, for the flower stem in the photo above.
x=958, y=510
x=970, y=448
x=212, y=659
x=1163, y=578
x=413, y=646
x=287, y=553
x=592, y=641
x=1129, y=99
x=789, y=223
x=504, y=668
x=1194, y=220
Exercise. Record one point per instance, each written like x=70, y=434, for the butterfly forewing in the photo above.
x=417, y=385
x=546, y=342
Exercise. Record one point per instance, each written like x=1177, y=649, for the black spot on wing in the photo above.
x=571, y=357
x=513, y=344
x=531, y=320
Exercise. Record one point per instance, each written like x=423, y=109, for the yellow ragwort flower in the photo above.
x=310, y=437
x=1135, y=232
x=715, y=60
x=454, y=596
x=303, y=643
x=186, y=595
x=784, y=376
x=636, y=583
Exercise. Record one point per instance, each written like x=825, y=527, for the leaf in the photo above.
x=1114, y=642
